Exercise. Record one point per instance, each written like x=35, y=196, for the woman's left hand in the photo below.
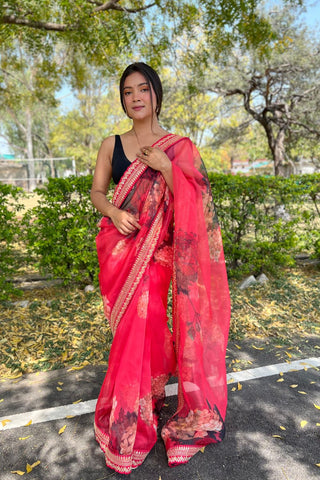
x=155, y=158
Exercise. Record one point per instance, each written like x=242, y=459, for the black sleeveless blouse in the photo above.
x=120, y=163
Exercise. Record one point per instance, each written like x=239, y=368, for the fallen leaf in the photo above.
x=5, y=421
x=18, y=472
x=302, y=393
x=70, y=416
x=202, y=449
x=317, y=406
x=62, y=429
x=318, y=424
x=317, y=464
x=282, y=428
x=75, y=368
x=281, y=374
x=59, y=389
x=78, y=401
x=239, y=386
x=293, y=386
x=60, y=383
x=231, y=380
x=257, y=348
x=287, y=353
x=239, y=348
x=25, y=438
x=280, y=380
x=27, y=424
x=31, y=467
x=233, y=389
x=303, y=423
x=276, y=436
x=1, y=400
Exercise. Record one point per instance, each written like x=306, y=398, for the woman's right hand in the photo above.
x=125, y=222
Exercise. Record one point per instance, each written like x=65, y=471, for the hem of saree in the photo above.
x=181, y=454
x=120, y=463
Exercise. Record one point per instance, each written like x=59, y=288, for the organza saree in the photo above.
x=179, y=241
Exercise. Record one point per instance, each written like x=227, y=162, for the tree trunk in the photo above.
x=29, y=141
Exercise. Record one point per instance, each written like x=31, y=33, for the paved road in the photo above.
x=261, y=401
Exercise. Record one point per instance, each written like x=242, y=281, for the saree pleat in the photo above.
x=135, y=273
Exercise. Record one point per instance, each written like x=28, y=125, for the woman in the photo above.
x=160, y=226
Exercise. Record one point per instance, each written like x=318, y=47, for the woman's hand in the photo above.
x=155, y=158
x=125, y=222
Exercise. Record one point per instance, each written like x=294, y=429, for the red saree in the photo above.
x=135, y=273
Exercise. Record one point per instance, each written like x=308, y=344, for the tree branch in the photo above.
x=48, y=26
x=113, y=5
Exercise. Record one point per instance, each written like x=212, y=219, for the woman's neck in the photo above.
x=146, y=128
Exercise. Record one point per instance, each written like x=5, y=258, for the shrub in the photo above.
x=61, y=230
x=9, y=233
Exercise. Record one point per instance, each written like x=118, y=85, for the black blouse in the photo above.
x=120, y=163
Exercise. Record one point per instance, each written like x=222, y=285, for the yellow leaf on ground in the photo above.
x=233, y=389
x=317, y=406
x=70, y=416
x=27, y=424
x=5, y=421
x=231, y=380
x=25, y=438
x=1, y=400
x=18, y=472
x=293, y=386
x=281, y=374
x=59, y=389
x=78, y=401
x=257, y=348
x=282, y=428
x=202, y=449
x=239, y=386
x=62, y=429
x=60, y=383
x=239, y=348
x=289, y=354
x=318, y=424
x=303, y=423
x=302, y=393
x=280, y=380
x=75, y=368
x=317, y=464
x=276, y=436
x=31, y=467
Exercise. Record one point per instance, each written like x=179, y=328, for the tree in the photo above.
x=27, y=86
x=105, y=32
x=281, y=91
x=96, y=115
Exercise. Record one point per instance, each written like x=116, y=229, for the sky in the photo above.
x=311, y=18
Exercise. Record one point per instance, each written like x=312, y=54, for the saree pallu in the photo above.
x=179, y=240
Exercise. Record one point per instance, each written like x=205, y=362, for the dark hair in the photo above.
x=152, y=79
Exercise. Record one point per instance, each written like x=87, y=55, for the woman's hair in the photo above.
x=152, y=79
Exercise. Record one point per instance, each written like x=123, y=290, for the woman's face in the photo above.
x=137, y=97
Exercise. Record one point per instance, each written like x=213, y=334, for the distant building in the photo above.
x=260, y=167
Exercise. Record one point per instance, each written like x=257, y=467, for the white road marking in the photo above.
x=56, y=413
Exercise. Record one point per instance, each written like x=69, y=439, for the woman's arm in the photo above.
x=124, y=221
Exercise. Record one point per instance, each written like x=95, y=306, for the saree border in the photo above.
x=182, y=453
x=121, y=463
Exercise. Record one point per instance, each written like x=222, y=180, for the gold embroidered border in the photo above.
x=182, y=453
x=137, y=271
x=121, y=463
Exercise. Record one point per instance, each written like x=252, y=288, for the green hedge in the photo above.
x=256, y=237
x=9, y=235
x=59, y=234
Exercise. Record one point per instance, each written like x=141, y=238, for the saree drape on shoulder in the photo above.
x=179, y=240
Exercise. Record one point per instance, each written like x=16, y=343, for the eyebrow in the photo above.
x=140, y=85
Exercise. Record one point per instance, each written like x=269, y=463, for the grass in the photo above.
x=66, y=327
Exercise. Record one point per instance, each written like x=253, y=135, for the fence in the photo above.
x=32, y=173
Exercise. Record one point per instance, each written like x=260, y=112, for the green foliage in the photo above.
x=257, y=236
x=9, y=231
x=61, y=230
